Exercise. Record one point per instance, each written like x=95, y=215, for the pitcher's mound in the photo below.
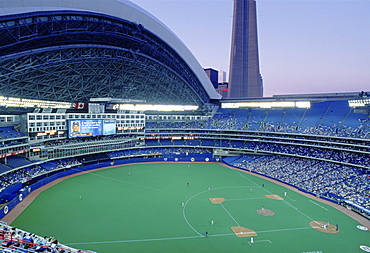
x=243, y=232
x=217, y=200
x=265, y=212
x=322, y=226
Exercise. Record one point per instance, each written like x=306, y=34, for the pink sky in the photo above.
x=306, y=46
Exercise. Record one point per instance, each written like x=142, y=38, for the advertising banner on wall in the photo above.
x=90, y=127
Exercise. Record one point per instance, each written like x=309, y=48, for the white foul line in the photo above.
x=291, y=199
x=230, y=215
x=181, y=238
x=137, y=240
x=318, y=205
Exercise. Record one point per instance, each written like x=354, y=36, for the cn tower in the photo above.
x=244, y=75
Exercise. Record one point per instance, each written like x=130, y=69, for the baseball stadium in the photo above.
x=113, y=139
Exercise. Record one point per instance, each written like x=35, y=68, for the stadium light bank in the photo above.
x=359, y=102
x=146, y=107
x=138, y=105
x=22, y=102
x=282, y=104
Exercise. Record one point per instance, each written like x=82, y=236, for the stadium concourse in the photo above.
x=86, y=86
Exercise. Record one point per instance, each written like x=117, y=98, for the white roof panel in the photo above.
x=119, y=8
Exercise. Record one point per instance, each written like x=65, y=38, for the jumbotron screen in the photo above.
x=90, y=127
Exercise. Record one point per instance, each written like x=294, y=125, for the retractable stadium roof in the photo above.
x=71, y=51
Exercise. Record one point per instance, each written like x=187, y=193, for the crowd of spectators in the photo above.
x=237, y=122
x=158, y=151
x=351, y=188
x=20, y=176
x=16, y=240
x=26, y=174
x=343, y=156
x=318, y=177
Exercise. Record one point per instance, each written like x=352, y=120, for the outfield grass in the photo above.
x=138, y=208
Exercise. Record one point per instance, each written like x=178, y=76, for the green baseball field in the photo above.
x=187, y=207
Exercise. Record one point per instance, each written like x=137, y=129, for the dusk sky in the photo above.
x=305, y=46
